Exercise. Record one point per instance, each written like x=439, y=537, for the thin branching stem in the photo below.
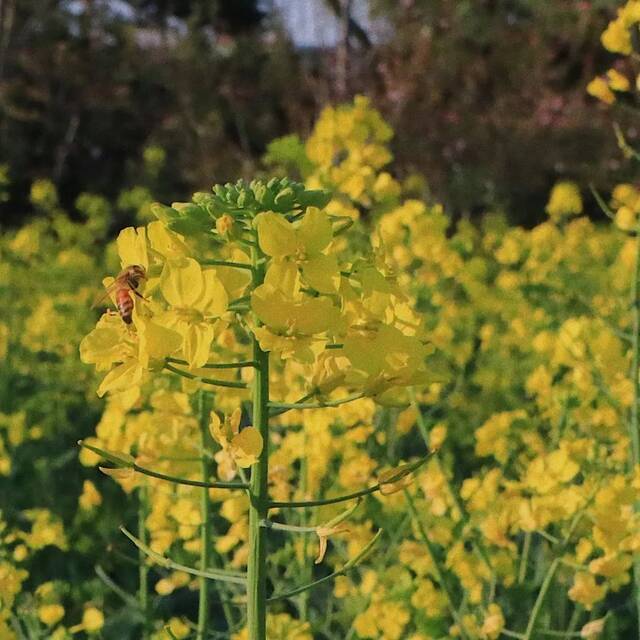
x=143, y=567
x=214, y=382
x=291, y=504
x=125, y=596
x=216, y=365
x=277, y=408
x=424, y=432
x=292, y=528
x=187, y=481
x=227, y=263
x=438, y=571
x=211, y=574
x=351, y=564
x=537, y=606
x=278, y=412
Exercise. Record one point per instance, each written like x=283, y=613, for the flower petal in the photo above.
x=122, y=377
x=315, y=231
x=182, y=282
x=214, y=300
x=276, y=236
x=246, y=447
x=197, y=344
x=132, y=247
x=322, y=273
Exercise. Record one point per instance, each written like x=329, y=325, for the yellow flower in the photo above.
x=564, y=200
x=617, y=81
x=106, y=344
x=617, y=38
x=242, y=446
x=44, y=194
x=92, y=620
x=4, y=340
x=112, y=343
x=493, y=623
x=196, y=298
x=46, y=529
x=593, y=629
x=20, y=553
x=281, y=626
x=132, y=247
x=164, y=587
x=50, y=614
x=626, y=218
x=90, y=496
x=303, y=242
x=545, y=473
x=432, y=600
x=599, y=88
x=586, y=591
x=179, y=628
x=384, y=358
x=224, y=224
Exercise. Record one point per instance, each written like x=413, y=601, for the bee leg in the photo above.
x=139, y=295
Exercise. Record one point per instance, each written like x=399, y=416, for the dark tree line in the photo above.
x=486, y=96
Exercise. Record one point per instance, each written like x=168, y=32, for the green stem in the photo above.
x=281, y=407
x=424, y=432
x=306, y=571
x=573, y=622
x=126, y=597
x=258, y=488
x=524, y=557
x=143, y=568
x=187, y=481
x=204, y=410
x=537, y=607
x=276, y=412
x=217, y=365
x=347, y=567
x=168, y=563
x=226, y=263
x=634, y=421
x=438, y=571
x=212, y=381
x=274, y=504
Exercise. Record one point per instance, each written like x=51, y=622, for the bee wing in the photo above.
x=111, y=285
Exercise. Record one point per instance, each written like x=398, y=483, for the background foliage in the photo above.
x=486, y=98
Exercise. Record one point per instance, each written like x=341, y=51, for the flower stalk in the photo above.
x=204, y=409
x=258, y=488
x=143, y=567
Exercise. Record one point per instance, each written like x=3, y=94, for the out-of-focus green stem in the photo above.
x=143, y=567
x=438, y=571
x=305, y=566
x=537, y=607
x=424, y=432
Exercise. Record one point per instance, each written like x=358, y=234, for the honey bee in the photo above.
x=124, y=284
